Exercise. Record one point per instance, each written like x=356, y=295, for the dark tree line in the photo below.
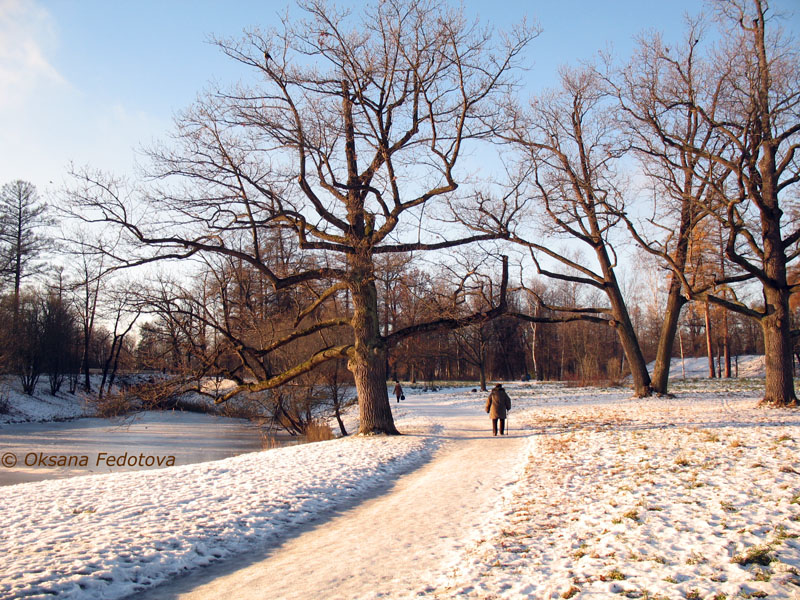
x=43, y=329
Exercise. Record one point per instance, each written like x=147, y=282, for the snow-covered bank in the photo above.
x=696, y=497
x=108, y=536
x=41, y=406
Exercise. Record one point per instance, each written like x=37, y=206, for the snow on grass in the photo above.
x=18, y=407
x=696, y=497
x=108, y=536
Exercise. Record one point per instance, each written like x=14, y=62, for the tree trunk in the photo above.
x=339, y=420
x=636, y=362
x=709, y=345
x=386, y=321
x=683, y=360
x=368, y=359
x=18, y=263
x=87, y=383
x=726, y=345
x=779, y=385
x=675, y=299
x=115, y=366
x=536, y=371
x=776, y=324
x=88, y=330
x=666, y=339
x=624, y=327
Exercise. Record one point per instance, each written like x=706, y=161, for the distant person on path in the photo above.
x=398, y=391
x=497, y=405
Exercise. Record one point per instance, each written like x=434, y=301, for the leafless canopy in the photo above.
x=350, y=126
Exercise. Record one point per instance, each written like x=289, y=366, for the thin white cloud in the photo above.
x=27, y=32
x=47, y=121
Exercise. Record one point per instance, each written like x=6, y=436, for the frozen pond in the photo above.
x=36, y=451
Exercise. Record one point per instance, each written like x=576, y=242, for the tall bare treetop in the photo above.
x=352, y=124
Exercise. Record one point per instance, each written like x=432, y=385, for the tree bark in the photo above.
x=726, y=345
x=776, y=324
x=368, y=359
x=636, y=362
x=762, y=171
x=338, y=414
x=709, y=344
x=536, y=372
x=666, y=339
x=675, y=299
x=776, y=327
x=624, y=327
x=779, y=385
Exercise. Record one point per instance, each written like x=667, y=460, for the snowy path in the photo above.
x=391, y=545
x=696, y=496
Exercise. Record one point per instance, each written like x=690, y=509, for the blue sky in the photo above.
x=89, y=81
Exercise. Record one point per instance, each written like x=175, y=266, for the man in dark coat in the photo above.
x=497, y=405
x=398, y=391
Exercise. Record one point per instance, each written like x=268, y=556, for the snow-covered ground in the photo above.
x=40, y=406
x=693, y=497
x=594, y=495
x=108, y=536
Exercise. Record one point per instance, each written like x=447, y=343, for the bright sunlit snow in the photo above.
x=593, y=495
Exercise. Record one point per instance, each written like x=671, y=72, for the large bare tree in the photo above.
x=349, y=137
x=572, y=149
x=656, y=94
x=752, y=113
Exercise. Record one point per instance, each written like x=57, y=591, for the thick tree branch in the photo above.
x=306, y=366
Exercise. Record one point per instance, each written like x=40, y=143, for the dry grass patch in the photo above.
x=756, y=555
x=559, y=444
x=682, y=461
x=318, y=431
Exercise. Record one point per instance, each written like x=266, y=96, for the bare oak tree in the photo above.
x=656, y=93
x=753, y=117
x=353, y=124
x=572, y=149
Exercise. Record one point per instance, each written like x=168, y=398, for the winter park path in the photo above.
x=390, y=545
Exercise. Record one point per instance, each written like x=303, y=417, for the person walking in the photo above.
x=497, y=405
x=398, y=391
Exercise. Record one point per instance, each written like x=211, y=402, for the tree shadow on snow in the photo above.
x=193, y=578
